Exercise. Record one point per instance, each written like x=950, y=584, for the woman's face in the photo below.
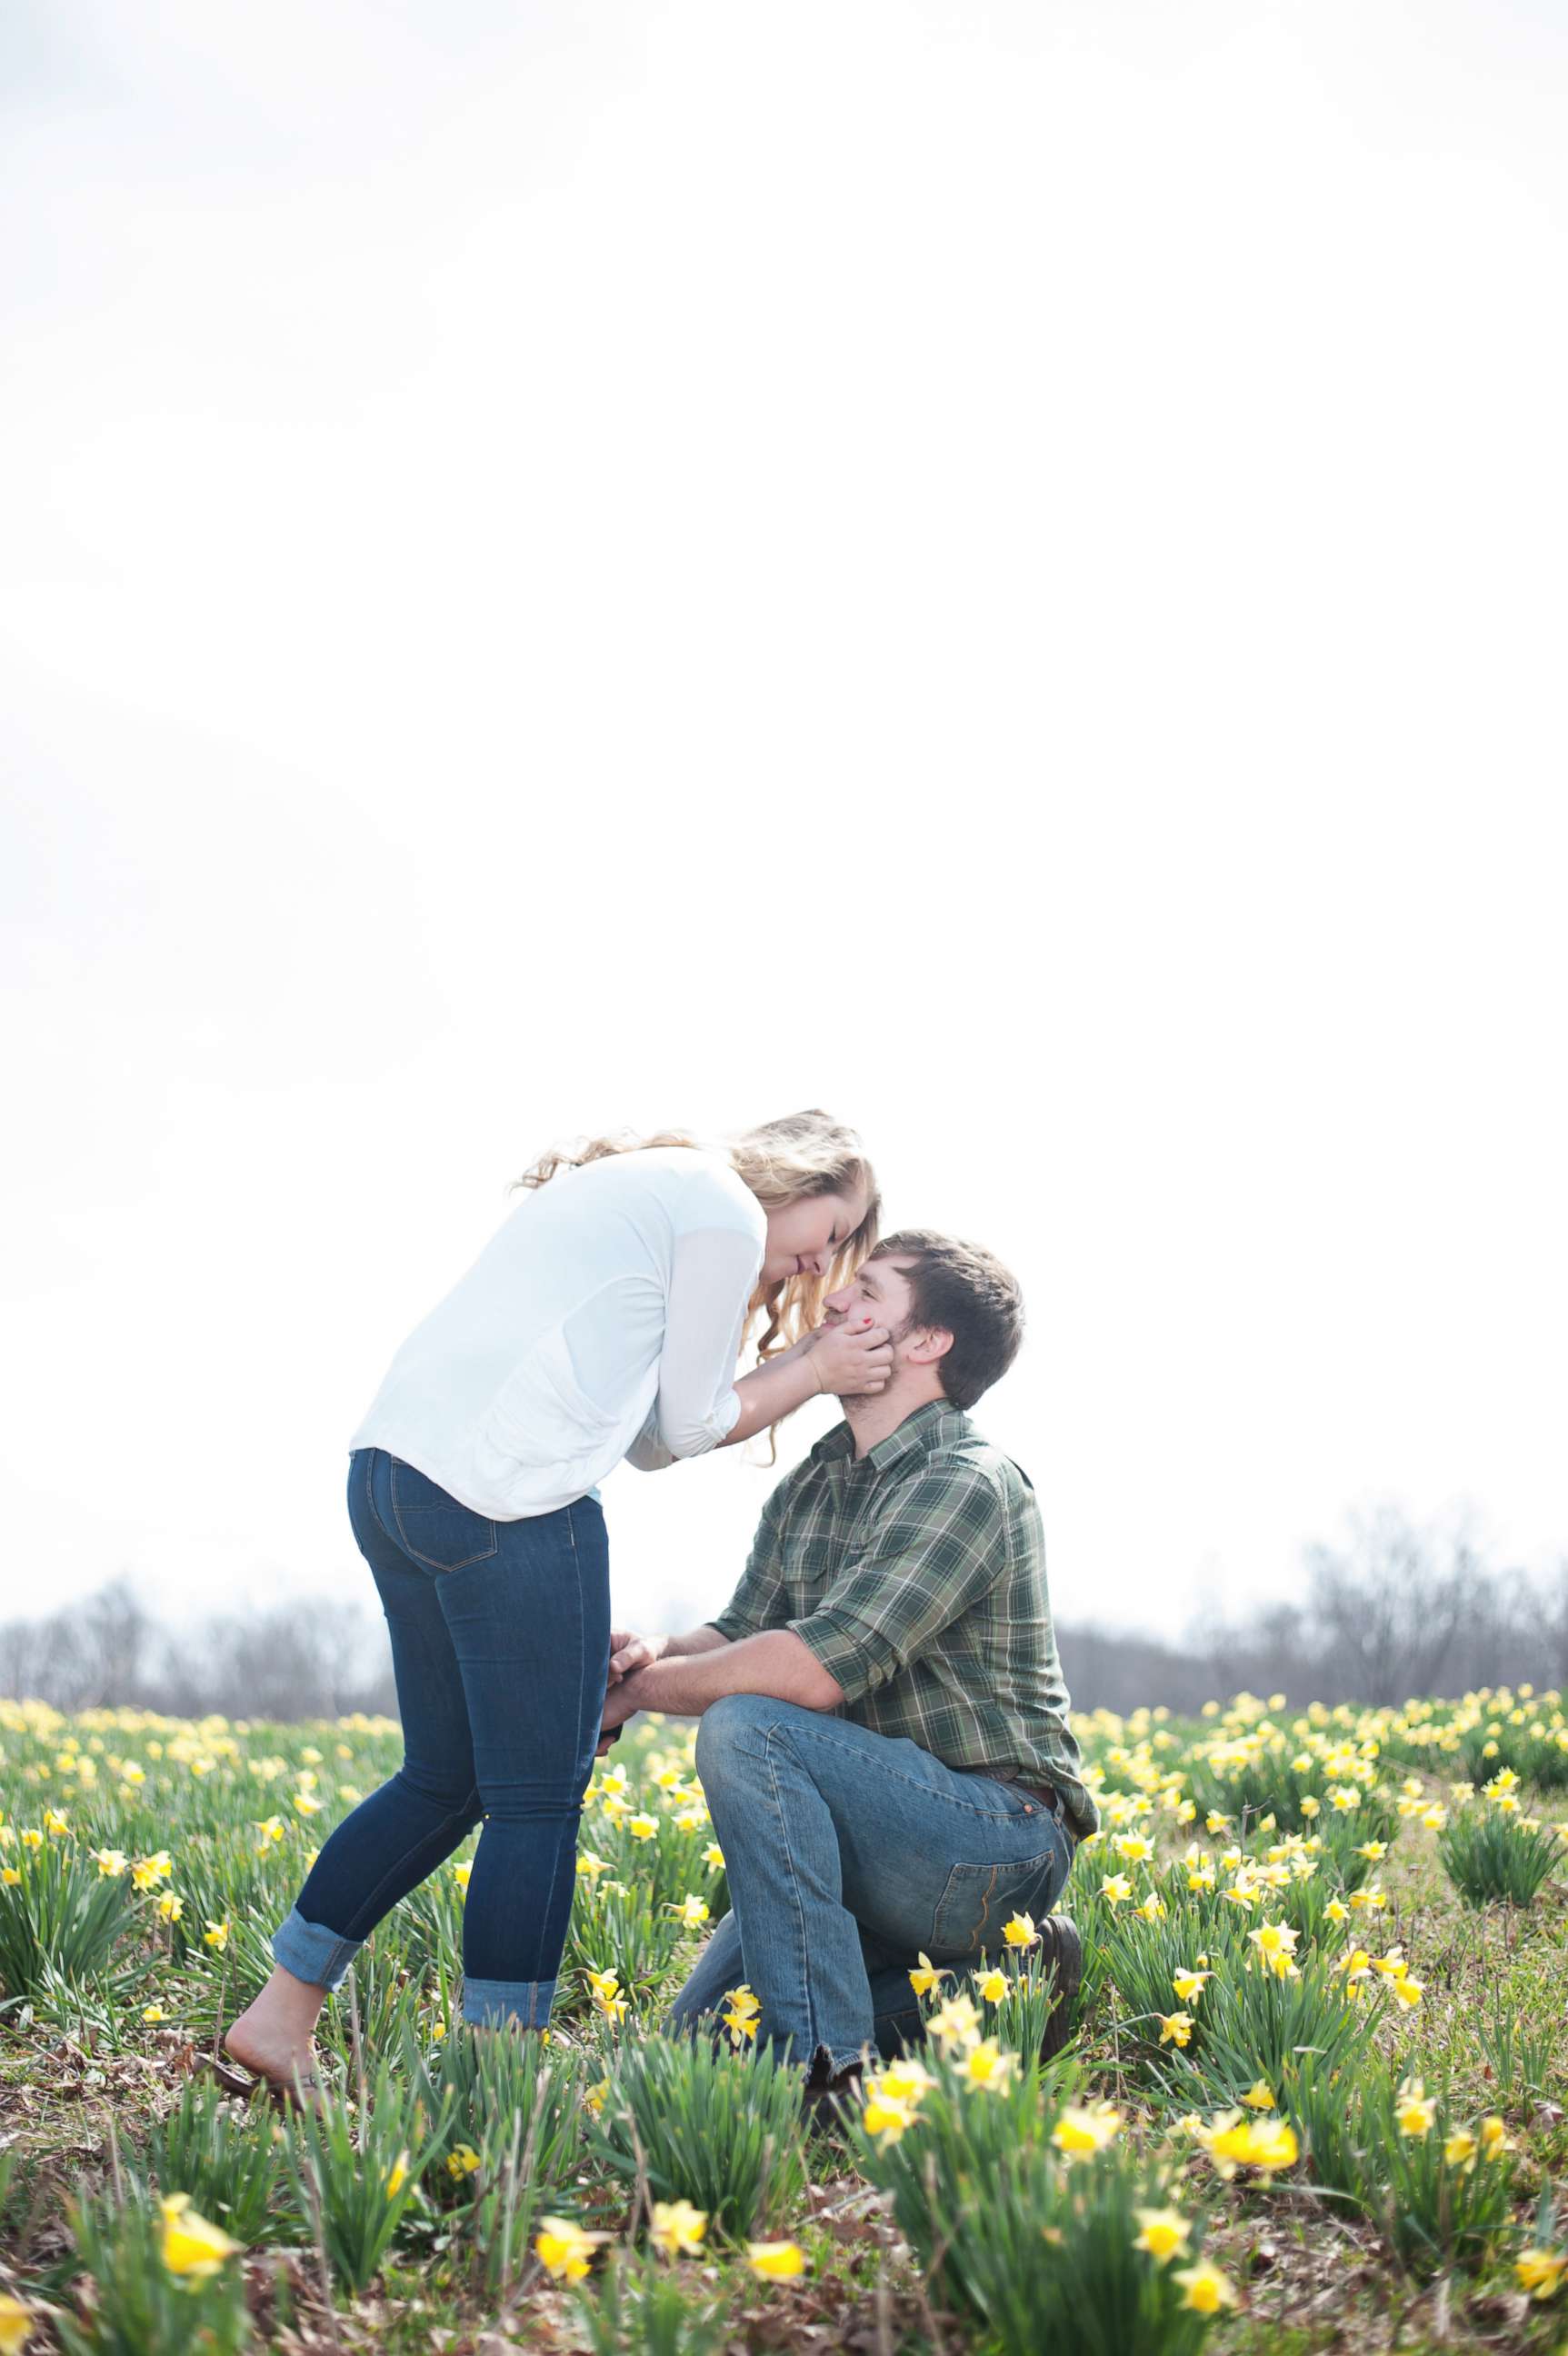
x=806, y=1238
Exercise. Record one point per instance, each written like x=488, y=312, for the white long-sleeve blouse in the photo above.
x=604, y=1318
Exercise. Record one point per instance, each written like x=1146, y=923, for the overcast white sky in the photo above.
x=999, y=569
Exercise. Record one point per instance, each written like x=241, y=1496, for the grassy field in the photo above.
x=1315, y=2098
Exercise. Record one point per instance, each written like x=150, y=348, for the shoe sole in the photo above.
x=1069, y=1978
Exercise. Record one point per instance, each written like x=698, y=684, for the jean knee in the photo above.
x=728, y=1730
x=454, y=1794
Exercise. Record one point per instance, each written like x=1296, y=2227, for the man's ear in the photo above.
x=926, y=1346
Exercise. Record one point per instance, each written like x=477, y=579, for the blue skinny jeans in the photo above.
x=500, y=1639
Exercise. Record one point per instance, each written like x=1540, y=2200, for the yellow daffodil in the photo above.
x=462, y=2160
x=925, y=1979
x=714, y=1856
x=885, y=2118
x=1205, y=2287
x=1189, y=1985
x=397, y=2176
x=678, y=2227
x=956, y=2022
x=171, y=1906
x=190, y=2245
x=153, y=2013
x=563, y=2249
x=1019, y=1931
x=1162, y=2233
x=1176, y=2028
x=216, y=1935
x=1495, y=2138
x=993, y=1986
x=643, y=1827
x=1260, y=2095
x=1540, y=2272
x=1460, y=2149
x=1414, y=2112
x=1082, y=2130
x=775, y=2261
x=985, y=2065
x=16, y=2321
x=1115, y=1888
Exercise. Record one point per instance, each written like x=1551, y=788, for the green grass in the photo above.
x=99, y=2112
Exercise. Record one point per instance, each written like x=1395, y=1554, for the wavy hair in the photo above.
x=782, y=1162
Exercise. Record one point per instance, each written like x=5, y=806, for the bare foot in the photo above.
x=288, y=2069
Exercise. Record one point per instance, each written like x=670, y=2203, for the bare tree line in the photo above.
x=1395, y=1611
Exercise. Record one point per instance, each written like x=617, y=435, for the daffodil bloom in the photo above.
x=955, y=2022
x=1372, y=1850
x=304, y=1806
x=16, y=2321
x=643, y=1827
x=904, y=2081
x=1407, y=1991
x=1205, y=2287
x=924, y=1980
x=216, y=1935
x=590, y=1866
x=154, y=2012
x=1275, y=1941
x=1189, y=1985
x=993, y=1986
x=1495, y=2138
x=1414, y=2111
x=170, y=1907
x=885, y=2118
x=190, y=2245
x=1176, y=2028
x=714, y=1856
x=55, y=1824
x=9, y=1876
x=1163, y=2232
x=678, y=2227
x=1083, y=2130
x=564, y=2248
x=1132, y=1849
x=1115, y=1888
x=1233, y=2142
x=985, y=2065
x=111, y=1862
x=740, y=2024
x=595, y=2097
x=1152, y=1907
x=1460, y=2149
x=462, y=2160
x=32, y=1837
x=461, y=1872
x=1540, y=2272
x=1020, y=1932
x=775, y=2261
x=1260, y=2095
x=692, y=1910
x=397, y=2176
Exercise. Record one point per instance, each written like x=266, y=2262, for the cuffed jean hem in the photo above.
x=311, y=1952
x=490, y=2003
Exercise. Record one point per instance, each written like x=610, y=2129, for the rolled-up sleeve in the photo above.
x=712, y=1271
x=941, y=1547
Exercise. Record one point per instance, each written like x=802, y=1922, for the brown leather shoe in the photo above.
x=1062, y=1955
x=825, y=2102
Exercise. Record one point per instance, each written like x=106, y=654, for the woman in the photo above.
x=605, y=1319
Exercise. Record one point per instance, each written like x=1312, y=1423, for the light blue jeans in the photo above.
x=847, y=1853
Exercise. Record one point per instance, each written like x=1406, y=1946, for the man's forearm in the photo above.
x=705, y=1639
x=774, y=1662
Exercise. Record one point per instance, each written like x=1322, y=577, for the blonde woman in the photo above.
x=605, y=1319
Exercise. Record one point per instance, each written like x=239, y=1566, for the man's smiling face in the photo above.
x=876, y=1294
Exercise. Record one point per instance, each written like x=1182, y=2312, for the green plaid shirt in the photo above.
x=918, y=1578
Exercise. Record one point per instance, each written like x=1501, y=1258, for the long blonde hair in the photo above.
x=783, y=1162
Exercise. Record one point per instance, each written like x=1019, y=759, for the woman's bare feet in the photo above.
x=274, y=2037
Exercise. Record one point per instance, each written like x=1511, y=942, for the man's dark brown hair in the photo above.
x=966, y=1291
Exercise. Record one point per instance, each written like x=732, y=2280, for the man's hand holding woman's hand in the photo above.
x=629, y=1651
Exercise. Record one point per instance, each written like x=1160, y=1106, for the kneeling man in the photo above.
x=884, y=1745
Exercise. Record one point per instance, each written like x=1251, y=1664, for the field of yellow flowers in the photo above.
x=1315, y=2098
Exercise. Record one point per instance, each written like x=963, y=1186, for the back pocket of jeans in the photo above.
x=434, y=1527
x=979, y=1899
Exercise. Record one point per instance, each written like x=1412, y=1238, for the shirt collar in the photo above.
x=926, y=1427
